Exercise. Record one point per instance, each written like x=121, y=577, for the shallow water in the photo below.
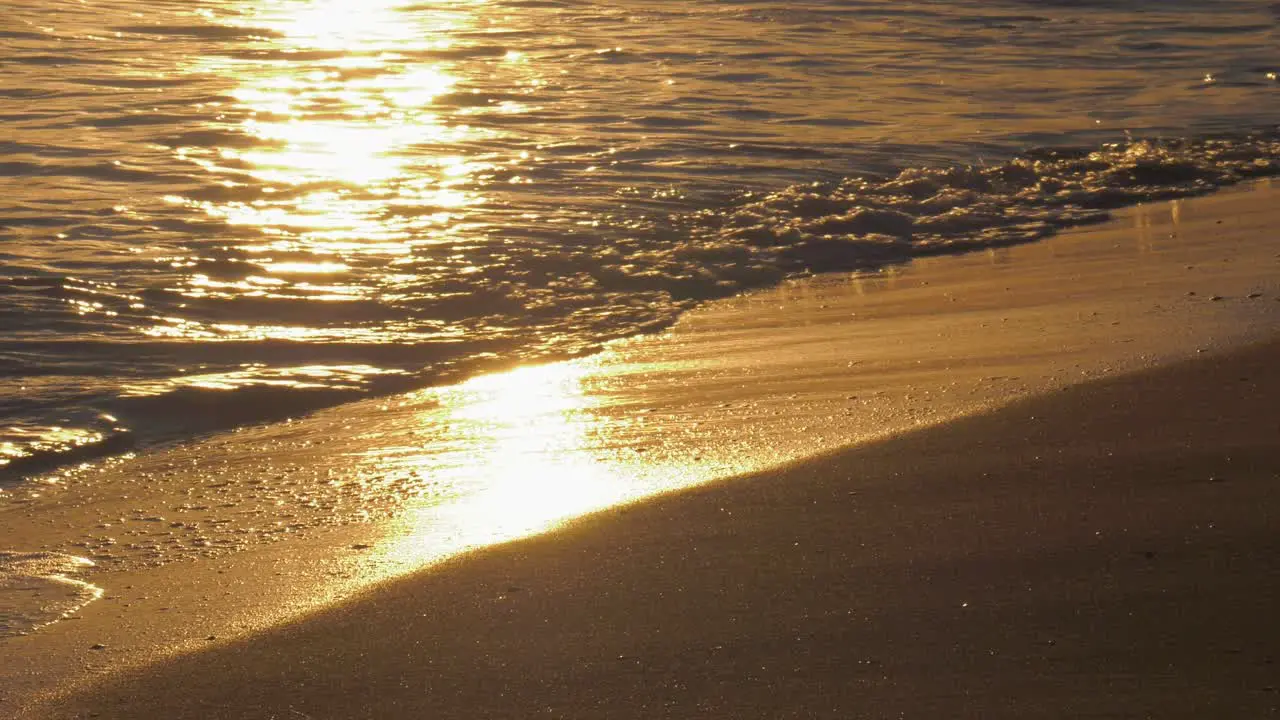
x=217, y=213
x=319, y=508
x=37, y=589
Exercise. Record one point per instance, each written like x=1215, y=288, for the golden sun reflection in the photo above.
x=308, y=268
x=314, y=377
x=516, y=454
x=355, y=152
x=337, y=152
x=347, y=24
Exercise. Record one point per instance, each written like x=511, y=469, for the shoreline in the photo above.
x=739, y=386
x=1105, y=550
x=118, y=442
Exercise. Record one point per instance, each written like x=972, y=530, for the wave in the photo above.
x=533, y=300
x=866, y=222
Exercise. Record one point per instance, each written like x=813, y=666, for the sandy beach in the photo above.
x=751, y=359
x=1037, y=482
x=1106, y=551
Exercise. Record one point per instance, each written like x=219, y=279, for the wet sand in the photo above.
x=1104, y=551
x=1109, y=557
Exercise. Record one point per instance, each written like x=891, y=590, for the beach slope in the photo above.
x=1108, y=550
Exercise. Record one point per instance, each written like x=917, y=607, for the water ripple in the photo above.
x=251, y=191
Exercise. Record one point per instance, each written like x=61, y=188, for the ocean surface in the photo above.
x=222, y=212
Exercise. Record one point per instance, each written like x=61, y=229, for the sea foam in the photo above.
x=36, y=589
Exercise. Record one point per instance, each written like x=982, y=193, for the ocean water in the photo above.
x=223, y=212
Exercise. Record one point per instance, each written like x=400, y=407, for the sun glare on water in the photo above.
x=359, y=113
x=339, y=153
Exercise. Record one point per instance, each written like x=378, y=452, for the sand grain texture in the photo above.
x=1106, y=551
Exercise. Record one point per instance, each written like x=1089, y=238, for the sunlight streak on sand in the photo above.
x=531, y=451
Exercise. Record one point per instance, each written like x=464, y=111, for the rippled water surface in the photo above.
x=218, y=212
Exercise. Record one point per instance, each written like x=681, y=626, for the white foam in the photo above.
x=36, y=590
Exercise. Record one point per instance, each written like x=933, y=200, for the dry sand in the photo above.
x=1106, y=551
